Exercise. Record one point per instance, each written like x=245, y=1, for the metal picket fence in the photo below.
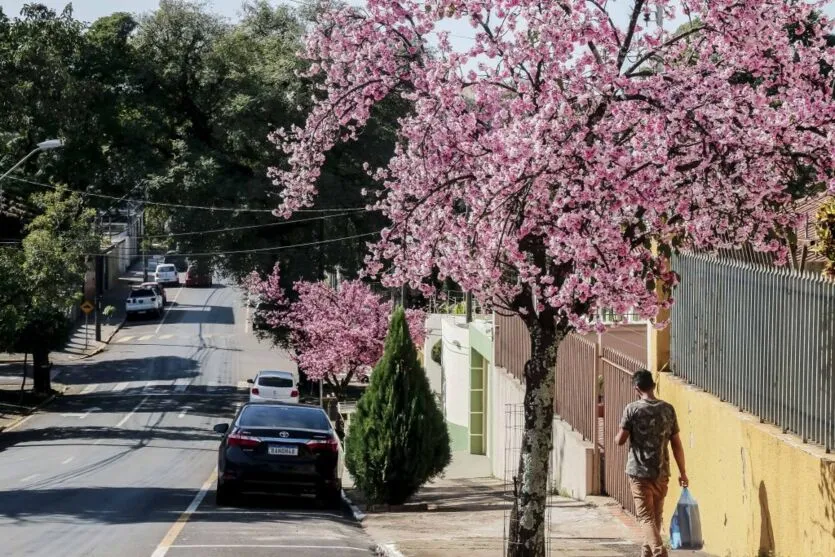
x=761, y=338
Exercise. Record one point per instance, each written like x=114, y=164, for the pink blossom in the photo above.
x=577, y=145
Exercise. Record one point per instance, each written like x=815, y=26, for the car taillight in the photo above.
x=328, y=445
x=255, y=391
x=242, y=441
x=294, y=393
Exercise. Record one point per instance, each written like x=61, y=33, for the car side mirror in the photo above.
x=221, y=428
x=250, y=381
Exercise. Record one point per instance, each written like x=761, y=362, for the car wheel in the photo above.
x=224, y=495
x=331, y=498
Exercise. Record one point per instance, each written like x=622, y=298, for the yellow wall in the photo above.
x=760, y=492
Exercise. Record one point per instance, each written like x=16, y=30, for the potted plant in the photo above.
x=600, y=405
x=108, y=312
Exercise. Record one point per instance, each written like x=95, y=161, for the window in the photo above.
x=273, y=381
x=290, y=417
x=141, y=293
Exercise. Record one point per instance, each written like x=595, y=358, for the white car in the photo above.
x=273, y=386
x=166, y=274
x=143, y=300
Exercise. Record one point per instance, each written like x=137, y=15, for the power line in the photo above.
x=247, y=227
x=251, y=250
x=181, y=205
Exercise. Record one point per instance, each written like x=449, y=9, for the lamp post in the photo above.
x=47, y=145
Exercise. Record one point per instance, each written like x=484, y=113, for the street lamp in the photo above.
x=47, y=145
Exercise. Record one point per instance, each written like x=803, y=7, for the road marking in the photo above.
x=271, y=546
x=246, y=321
x=132, y=412
x=167, y=311
x=182, y=384
x=178, y=526
x=165, y=337
x=89, y=389
x=125, y=339
x=68, y=460
x=145, y=337
x=183, y=411
x=120, y=386
x=80, y=415
x=208, y=335
x=27, y=478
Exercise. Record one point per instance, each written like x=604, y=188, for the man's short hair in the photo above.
x=643, y=380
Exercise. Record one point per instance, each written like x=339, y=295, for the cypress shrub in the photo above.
x=398, y=438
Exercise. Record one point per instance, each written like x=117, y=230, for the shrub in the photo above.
x=398, y=439
x=436, y=351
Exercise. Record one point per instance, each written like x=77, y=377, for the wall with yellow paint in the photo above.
x=760, y=492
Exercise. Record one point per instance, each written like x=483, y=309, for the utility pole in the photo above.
x=144, y=239
x=99, y=292
x=469, y=305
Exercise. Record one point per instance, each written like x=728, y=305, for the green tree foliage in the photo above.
x=398, y=439
x=40, y=283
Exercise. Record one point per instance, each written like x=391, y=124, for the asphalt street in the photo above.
x=124, y=463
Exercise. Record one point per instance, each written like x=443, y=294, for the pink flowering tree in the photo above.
x=335, y=335
x=554, y=162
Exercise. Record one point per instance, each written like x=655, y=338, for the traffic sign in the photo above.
x=87, y=307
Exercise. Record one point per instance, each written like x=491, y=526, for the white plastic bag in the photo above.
x=686, y=525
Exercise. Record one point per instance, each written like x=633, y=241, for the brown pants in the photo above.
x=649, y=505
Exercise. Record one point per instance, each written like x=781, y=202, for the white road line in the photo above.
x=178, y=526
x=120, y=387
x=208, y=335
x=68, y=460
x=268, y=546
x=132, y=412
x=246, y=321
x=182, y=384
x=89, y=389
x=125, y=339
x=183, y=411
x=166, y=337
x=145, y=337
x=27, y=478
x=167, y=311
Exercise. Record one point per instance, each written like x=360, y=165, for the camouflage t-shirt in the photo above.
x=650, y=424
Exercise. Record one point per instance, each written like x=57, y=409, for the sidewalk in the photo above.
x=82, y=341
x=468, y=517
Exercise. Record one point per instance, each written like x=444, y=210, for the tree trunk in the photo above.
x=41, y=371
x=526, y=531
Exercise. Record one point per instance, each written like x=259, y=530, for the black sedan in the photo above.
x=280, y=448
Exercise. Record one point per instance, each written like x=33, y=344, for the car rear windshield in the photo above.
x=290, y=417
x=141, y=293
x=273, y=381
x=166, y=268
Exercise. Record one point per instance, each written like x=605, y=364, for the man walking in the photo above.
x=649, y=424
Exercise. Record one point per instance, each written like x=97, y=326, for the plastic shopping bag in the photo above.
x=686, y=525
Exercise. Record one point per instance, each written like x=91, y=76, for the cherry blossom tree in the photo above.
x=553, y=164
x=335, y=335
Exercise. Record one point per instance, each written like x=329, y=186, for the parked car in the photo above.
x=158, y=288
x=143, y=300
x=280, y=448
x=152, y=262
x=166, y=273
x=198, y=276
x=274, y=385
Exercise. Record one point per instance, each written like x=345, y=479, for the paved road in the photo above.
x=124, y=463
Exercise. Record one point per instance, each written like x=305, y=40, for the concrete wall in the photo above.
x=456, y=364
x=760, y=492
x=572, y=458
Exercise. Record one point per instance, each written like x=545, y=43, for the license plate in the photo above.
x=283, y=450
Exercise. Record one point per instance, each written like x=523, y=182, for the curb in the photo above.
x=105, y=344
x=387, y=550
x=19, y=421
x=356, y=513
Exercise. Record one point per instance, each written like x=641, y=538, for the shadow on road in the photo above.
x=136, y=505
x=129, y=369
